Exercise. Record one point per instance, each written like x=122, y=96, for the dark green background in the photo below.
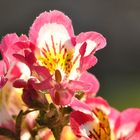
x=118, y=68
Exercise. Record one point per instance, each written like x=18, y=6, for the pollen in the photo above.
x=101, y=130
x=56, y=59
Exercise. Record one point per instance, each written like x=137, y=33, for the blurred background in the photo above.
x=118, y=68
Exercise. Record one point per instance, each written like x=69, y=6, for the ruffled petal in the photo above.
x=7, y=41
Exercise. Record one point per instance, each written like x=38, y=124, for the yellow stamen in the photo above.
x=101, y=130
x=60, y=60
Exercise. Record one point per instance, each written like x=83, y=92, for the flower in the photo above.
x=60, y=58
x=95, y=119
x=10, y=67
x=90, y=120
x=48, y=72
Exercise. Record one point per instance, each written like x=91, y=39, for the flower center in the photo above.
x=57, y=58
x=101, y=130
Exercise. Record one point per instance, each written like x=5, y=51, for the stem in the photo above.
x=57, y=132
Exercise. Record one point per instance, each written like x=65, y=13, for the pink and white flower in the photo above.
x=10, y=70
x=65, y=57
x=10, y=67
x=89, y=120
x=114, y=125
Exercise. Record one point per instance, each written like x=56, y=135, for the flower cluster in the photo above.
x=46, y=92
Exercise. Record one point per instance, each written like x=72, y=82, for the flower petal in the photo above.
x=3, y=81
x=78, y=105
x=114, y=114
x=87, y=62
x=135, y=135
x=88, y=43
x=61, y=96
x=3, y=68
x=86, y=83
x=80, y=123
x=9, y=47
x=7, y=41
x=98, y=102
x=42, y=71
x=127, y=122
x=94, y=41
x=51, y=27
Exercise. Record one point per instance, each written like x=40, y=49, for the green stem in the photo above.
x=57, y=132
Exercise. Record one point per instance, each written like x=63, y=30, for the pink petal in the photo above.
x=2, y=67
x=3, y=81
x=78, y=105
x=94, y=40
x=20, y=58
x=48, y=18
x=77, y=119
x=20, y=83
x=61, y=96
x=23, y=45
x=98, y=102
x=87, y=62
x=42, y=71
x=82, y=49
x=43, y=85
x=9, y=47
x=8, y=41
x=127, y=122
x=15, y=73
x=86, y=83
x=135, y=135
x=91, y=80
x=30, y=57
x=113, y=115
x=76, y=86
x=138, y=127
